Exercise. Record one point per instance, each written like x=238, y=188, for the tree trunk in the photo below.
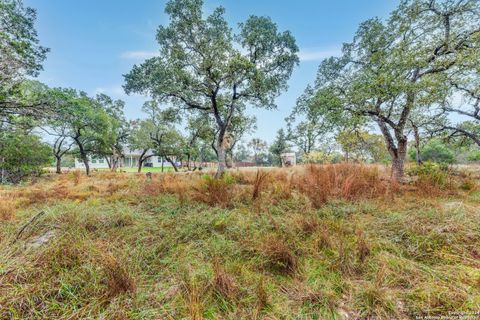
x=221, y=160
x=398, y=161
x=85, y=162
x=83, y=154
x=188, y=162
x=109, y=162
x=398, y=152
x=59, y=165
x=140, y=164
x=172, y=163
x=418, y=156
x=229, y=159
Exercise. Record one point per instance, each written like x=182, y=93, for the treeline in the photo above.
x=407, y=78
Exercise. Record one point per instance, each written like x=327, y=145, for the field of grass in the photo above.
x=145, y=169
x=321, y=242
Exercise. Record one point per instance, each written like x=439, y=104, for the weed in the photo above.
x=8, y=208
x=76, y=177
x=118, y=279
x=223, y=282
x=280, y=257
x=259, y=183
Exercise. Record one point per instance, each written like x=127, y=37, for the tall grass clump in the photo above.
x=216, y=192
x=432, y=178
x=320, y=183
x=8, y=207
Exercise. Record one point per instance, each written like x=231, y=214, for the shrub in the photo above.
x=280, y=257
x=434, y=151
x=474, y=156
x=431, y=177
x=22, y=155
x=216, y=191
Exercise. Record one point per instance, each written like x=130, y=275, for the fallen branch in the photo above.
x=35, y=217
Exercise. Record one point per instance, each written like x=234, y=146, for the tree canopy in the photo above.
x=203, y=66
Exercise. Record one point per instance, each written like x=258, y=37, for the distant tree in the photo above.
x=316, y=124
x=22, y=154
x=168, y=143
x=241, y=125
x=120, y=127
x=203, y=66
x=166, y=139
x=139, y=139
x=241, y=153
x=259, y=148
x=279, y=146
x=360, y=145
x=199, y=134
x=61, y=146
x=85, y=121
x=435, y=150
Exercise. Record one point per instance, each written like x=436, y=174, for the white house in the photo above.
x=130, y=160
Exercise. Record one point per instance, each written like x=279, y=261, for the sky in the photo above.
x=94, y=42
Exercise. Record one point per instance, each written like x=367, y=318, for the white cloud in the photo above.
x=317, y=55
x=138, y=54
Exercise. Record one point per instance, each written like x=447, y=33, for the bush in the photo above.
x=431, y=175
x=434, y=151
x=317, y=157
x=22, y=155
x=474, y=156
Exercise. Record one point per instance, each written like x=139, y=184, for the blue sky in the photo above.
x=94, y=42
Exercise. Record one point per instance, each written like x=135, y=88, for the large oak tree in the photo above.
x=396, y=68
x=204, y=66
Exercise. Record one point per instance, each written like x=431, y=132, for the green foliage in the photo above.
x=259, y=149
x=317, y=157
x=360, y=145
x=20, y=56
x=205, y=68
x=279, y=146
x=20, y=51
x=397, y=68
x=434, y=151
x=316, y=120
x=21, y=155
x=474, y=156
x=431, y=173
x=92, y=124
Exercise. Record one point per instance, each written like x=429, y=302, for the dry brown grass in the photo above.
x=118, y=279
x=8, y=207
x=344, y=181
x=279, y=255
x=259, y=183
x=223, y=282
x=121, y=242
x=215, y=192
x=192, y=294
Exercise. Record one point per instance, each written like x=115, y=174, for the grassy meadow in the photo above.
x=315, y=242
